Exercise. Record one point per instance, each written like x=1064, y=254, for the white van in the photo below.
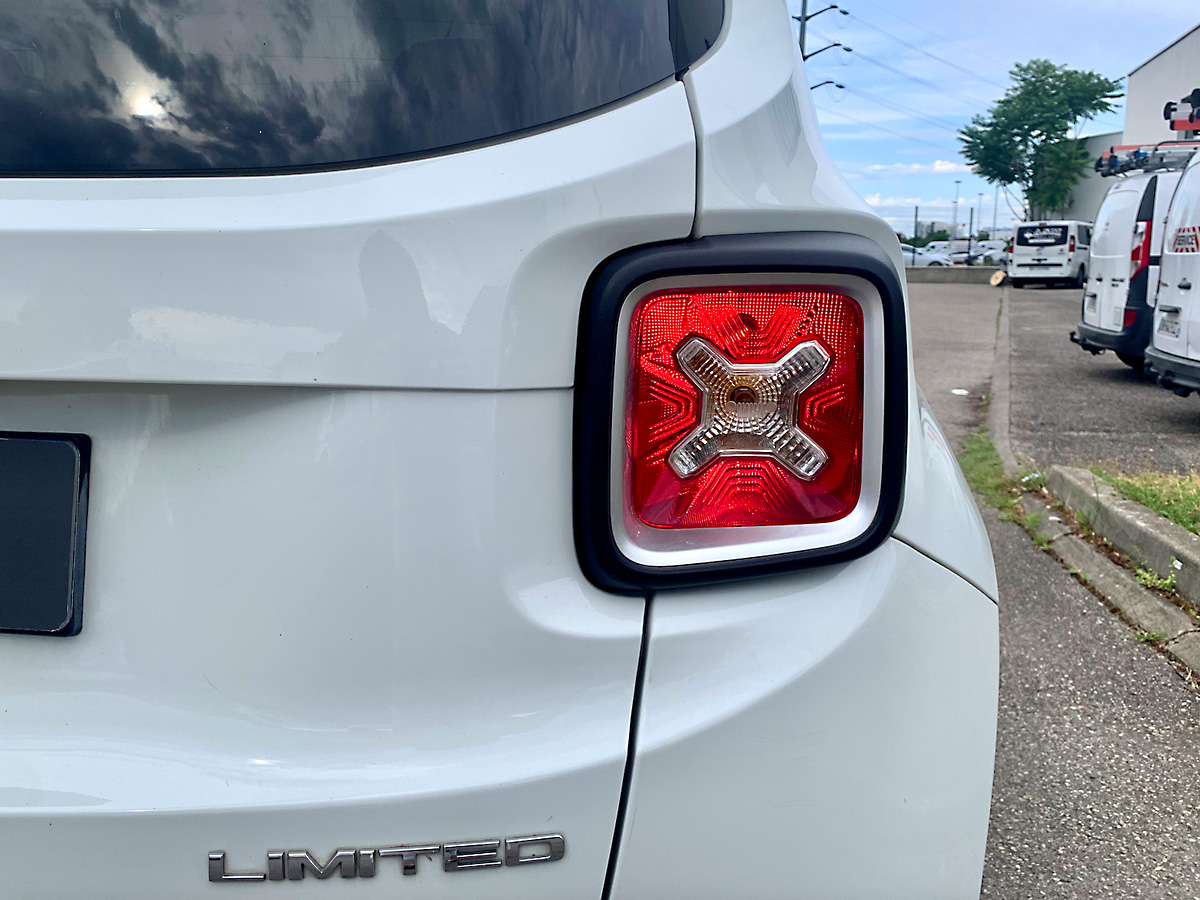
x=1050, y=253
x=1174, y=354
x=1123, y=266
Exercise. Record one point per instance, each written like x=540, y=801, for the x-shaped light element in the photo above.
x=750, y=409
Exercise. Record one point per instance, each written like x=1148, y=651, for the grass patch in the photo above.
x=1151, y=579
x=1177, y=497
x=1151, y=637
x=984, y=472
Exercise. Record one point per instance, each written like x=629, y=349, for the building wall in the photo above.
x=1088, y=194
x=1169, y=76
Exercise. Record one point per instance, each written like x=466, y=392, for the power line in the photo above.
x=925, y=52
x=954, y=95
x=892, y=104
x=912, y=24
x=899, y=134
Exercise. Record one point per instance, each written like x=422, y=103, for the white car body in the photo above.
x=1123, y=265
x=1174, y=354
x=1054, y=252
x=335, y=602
x=919, y=257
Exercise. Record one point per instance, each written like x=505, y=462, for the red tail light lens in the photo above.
x=1071, y=245
x=1139, y=253
x=745, y=407
x=1130, y=317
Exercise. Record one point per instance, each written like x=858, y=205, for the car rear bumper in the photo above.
x=1039, y=273
x=1173, y=372
x=824, y=734
x=1131, y=339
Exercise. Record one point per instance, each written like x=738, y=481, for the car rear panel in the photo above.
x=332, y=598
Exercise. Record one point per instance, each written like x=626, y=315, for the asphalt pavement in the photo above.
x=1097, y=789
x=1072, y=408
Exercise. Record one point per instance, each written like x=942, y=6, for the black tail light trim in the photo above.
x=794, y=252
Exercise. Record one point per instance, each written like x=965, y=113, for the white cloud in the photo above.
x=937, y=167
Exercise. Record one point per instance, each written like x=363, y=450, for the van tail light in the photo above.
x=1139, y=253
x=1071, y=244
x=1130, y=317
x=741, y=406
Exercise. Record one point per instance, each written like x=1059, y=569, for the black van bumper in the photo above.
x=1131, y=340
x=1175, y=373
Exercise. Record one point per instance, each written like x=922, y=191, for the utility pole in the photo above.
x=969, y=229
x=803, y=20
x=954, y=216
x=979, y=206
x=995, y=209
x=803, y=25
x=916, y=228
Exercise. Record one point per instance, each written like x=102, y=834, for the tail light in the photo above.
x=740, y=409
x=1071, y=244
x=1130, y=317
x=744, y=407
x=1139, y=253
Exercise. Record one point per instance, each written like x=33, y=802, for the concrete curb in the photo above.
x=999, y=407
x=1146, y=610
x=1145, y=537
x=950, y=274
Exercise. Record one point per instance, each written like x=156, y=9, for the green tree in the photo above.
x=1030, y=138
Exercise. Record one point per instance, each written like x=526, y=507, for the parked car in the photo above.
x=1050, y=253
x=427, y=473
x=1174, y=354
x=1123, y=267
x=976, y=255
x=921, y=256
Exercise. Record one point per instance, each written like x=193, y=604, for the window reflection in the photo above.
x=218, y=85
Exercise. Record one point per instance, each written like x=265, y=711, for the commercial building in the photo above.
x=1166, y=77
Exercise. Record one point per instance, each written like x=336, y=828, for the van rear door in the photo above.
x=1108, y=281
x=1175, y=329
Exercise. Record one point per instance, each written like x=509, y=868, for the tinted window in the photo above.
x=1041, y=235
x=150, y=86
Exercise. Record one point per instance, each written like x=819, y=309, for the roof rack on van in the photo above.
x=1146, y=157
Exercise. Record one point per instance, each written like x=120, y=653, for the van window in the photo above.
x=1041, y=235
x=93, y=87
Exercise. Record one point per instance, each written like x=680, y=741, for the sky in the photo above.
x=919, y=70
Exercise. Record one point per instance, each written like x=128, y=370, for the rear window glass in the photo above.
x=219, y=86
x=1041, y=235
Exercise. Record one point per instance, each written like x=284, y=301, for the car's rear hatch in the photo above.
x=332, y=598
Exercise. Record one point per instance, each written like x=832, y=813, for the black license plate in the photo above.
x=43, y=524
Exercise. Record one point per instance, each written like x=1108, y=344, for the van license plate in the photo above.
x=1169, y=325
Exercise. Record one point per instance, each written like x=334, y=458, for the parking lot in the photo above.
x=1073, y=408
x=1097, y=785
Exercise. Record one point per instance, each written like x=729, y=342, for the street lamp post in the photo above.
x=954, y=216
x=979, y=210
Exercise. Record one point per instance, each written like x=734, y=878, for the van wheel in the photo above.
x=1081, y=278
x=1137, y=363
x=1017, y=283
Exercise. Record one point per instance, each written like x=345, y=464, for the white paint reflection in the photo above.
x=225, y=340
